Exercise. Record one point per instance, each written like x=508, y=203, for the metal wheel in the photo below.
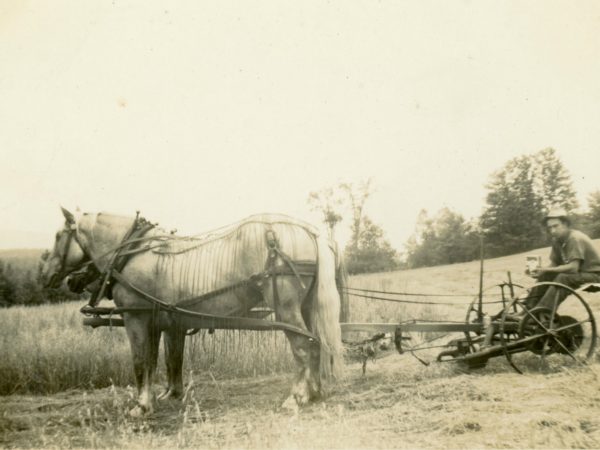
x=565, y=333
x=507, y=293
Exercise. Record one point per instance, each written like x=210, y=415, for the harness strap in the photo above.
x=213, y=319
x=129, y=246
x=291, y=265
x=274, y=251
x=192, y=301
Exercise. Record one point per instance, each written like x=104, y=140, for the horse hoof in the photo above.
x=315, y=396
x=140, y=411
x=169, y=394
x=290, y=405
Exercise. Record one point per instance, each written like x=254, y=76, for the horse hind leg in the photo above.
x=306, y=386
x=174, y=341
x=144, y=339
x=287, y=303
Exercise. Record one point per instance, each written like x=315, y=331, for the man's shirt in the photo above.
x=576, y=246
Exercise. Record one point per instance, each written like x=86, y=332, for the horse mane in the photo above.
x=201, y=263
x=175, y=244
x=231, y=254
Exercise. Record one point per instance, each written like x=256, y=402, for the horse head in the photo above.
x=66, y=256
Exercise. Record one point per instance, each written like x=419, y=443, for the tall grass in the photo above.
x=46, y=349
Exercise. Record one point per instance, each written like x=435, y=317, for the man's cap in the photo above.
x=556, y=213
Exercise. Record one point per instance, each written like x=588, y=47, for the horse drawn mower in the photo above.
x=565, y=332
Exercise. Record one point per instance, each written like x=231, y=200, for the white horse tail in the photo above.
x=341, y=280
x=326, y=313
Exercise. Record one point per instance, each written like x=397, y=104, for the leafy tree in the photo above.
x=552, y=181
x=519, y=195
x=357, y=194
x=328, y=202
x=21, y=283
x=512, y=220
x=41, y=294
x=421, y=246
x=444, y=239
x=368, y=249
x=372, y=251
x=7, y=286
x=29, y=292
x=593, y=214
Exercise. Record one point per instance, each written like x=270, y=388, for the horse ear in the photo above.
x=78, y=214
x=68, y=216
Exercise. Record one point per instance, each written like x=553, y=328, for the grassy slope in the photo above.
x=26, y=259
x=399, y=403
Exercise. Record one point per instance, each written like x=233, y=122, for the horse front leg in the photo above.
x=144, y=339
x=174, y=340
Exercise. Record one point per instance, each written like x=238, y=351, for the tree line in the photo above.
x=20, y=284
x=518, y=196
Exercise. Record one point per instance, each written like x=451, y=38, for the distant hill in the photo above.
x=22, y=259
x=20, y=269
x=19, y=239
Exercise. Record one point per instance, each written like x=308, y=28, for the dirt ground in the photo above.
x=398, y=404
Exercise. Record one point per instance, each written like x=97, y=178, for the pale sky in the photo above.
x=201, y=113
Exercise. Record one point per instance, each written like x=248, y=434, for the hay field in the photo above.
x=66, y=386
x=46, y=349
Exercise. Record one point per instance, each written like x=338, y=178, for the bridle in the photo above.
x=87, y=269
x=71, y=236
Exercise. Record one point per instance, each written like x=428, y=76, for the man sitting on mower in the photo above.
x=574, y=261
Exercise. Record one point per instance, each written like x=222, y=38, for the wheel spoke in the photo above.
x=566, y=349
x=547, y=331
x=552, y=315
x=572, y=325
x=554, y=308
x=538, y=322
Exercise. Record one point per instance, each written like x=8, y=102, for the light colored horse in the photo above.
x=175, y=269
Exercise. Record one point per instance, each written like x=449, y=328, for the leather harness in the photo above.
x=131, y=246
x=128, y=247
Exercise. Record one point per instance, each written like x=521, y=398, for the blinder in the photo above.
x=63, y=269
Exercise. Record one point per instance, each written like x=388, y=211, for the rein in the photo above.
x=211, y=320
x=130, y=242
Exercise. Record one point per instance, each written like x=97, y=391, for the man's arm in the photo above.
x=570, y=267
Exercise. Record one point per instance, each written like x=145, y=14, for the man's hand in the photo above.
x=570, y=267
x=536, y=273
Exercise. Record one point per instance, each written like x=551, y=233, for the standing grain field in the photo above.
x=46, y=349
